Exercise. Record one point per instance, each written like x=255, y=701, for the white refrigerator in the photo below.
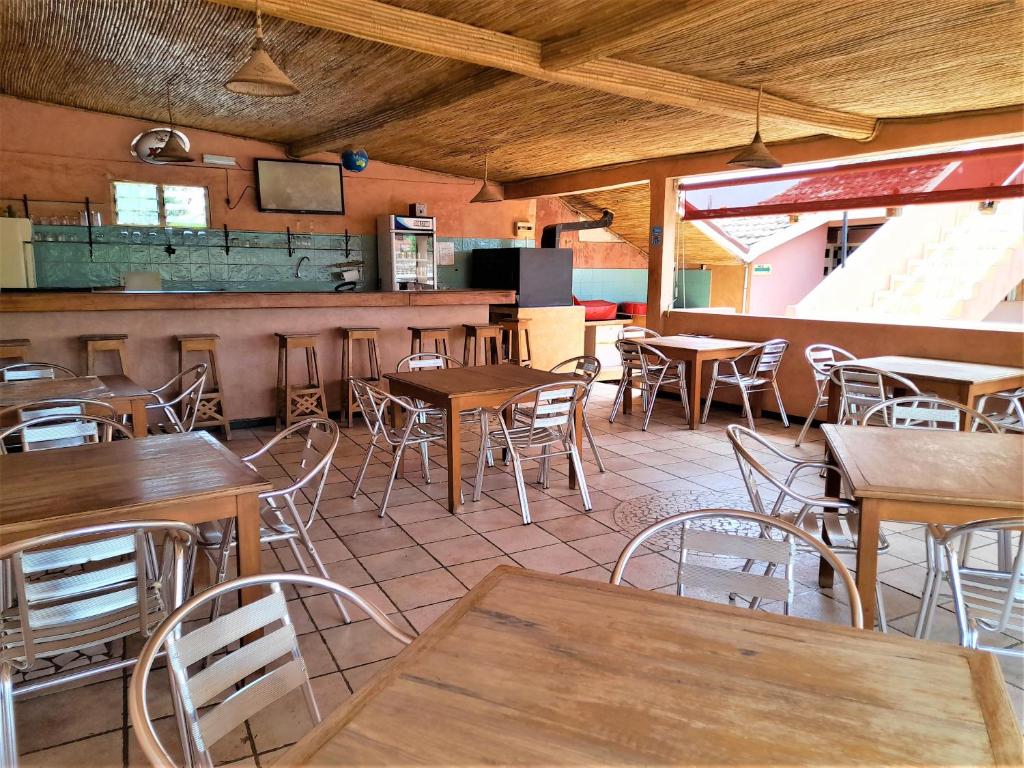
x=406, y=253
x=17, y=262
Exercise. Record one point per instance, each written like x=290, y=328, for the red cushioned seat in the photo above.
x=633, y=308
x=597, y=309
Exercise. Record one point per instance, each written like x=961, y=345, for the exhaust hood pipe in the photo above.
x=553, y=232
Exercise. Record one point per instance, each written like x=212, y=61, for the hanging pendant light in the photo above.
x=756, y=154
x=260, y=76
x=490, y=191
x=173, y=150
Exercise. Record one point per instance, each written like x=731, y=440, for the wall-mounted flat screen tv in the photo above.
x=299, y=187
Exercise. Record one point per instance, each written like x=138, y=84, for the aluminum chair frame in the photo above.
x=861, y=386
x=187, y=401
x=1012, y=418
x=418, y=430
x=984, y=599
x=551, y=422
x=62, y=427
x=839, y=518
x=821, y=358
x=634, y=332
x=587, y=368
x=33, y=371
x=280, y=518
x=926, y=412
x=752, y=549
x=760, y=375
x=61, y=612
x=199, y=731
x=637, y=356
x=66, y=407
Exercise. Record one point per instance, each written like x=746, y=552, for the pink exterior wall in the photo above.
x=58, y=153
x=797, y=266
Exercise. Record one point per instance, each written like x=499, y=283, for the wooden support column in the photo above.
x=661, y=259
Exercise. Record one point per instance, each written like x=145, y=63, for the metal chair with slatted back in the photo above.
x=177, y=414
x=861, y=387
x=715, y=562
x=647, y=369
x=924, y=412
x=984, y=599
x=755, y=370
x=588, y=368
x=550, y=427
x=1007, y=409
x=32, y=371
x=412, y=426
x=635, y=332
x=67, y=407
x=281, y=519
x=61, y=430
x=840, y=518
x=207, y=719
x=81, y=588
x=821, y=358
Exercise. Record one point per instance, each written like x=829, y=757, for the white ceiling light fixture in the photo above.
x=259, y=75
x=490, y=191
x=756, y=154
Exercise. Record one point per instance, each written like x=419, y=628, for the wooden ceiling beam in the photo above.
x=437, y=36
x=435, y=101
x=624, y=28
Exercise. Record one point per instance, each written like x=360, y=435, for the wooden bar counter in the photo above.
x=246, y=324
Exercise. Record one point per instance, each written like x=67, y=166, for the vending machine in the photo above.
x=406, y=253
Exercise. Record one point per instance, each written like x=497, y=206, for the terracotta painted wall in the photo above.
x=551, y=210
x=996, y=347
x=51, y=152
x=797, y=266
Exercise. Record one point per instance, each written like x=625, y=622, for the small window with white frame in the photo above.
x=153, y=205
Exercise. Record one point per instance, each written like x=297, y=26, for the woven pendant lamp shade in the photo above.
x=490, y=191
x=755, y=154
x=173, y=151
x=259, y=75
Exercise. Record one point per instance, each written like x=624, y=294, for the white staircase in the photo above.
x=936, y=262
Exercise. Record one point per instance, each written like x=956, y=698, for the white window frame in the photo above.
x=161, y=210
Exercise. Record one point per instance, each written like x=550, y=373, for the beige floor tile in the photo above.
x=417, y=511
x=522, y=537
x=67, y=715
x=362, y=642
x=471, y=573
x=357, y=677
x=398, y=562
x=423, y=589
x=604, y=548
x=448, y=527
x=491, y=519
x=462, y=550
x=372, y=542
x=104, y=751
x=556, y=558
x=423, y=617
x=573, y=527
x=288, y=720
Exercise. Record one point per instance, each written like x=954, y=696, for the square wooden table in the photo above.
x=189, y=478
x=127, y=397
x=462, y=389
x=694, y=351
x=953, y=380
x=923, y=476
x=534, y=669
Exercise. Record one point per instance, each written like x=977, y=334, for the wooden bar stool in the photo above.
x=104, y=342
x=516, y=339
x=296, y=402
x=424, y=335
x=12, y=350
x=210, y=411
x=483, y=345
x=349, y=336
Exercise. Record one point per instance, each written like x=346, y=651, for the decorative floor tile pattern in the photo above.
x=418, y=560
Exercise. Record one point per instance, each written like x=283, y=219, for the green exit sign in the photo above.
x=762, y=269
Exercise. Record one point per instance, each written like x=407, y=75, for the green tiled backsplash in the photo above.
x=254, y=261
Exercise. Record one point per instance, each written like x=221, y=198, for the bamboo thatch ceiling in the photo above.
x=876, y=58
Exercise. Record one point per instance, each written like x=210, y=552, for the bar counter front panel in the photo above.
x=246, y=324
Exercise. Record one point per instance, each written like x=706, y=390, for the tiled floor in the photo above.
x=418, y=560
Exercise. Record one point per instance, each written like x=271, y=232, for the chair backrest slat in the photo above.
x=730, y=545
x=30, y=371
x=823, y=356
x=209, y=638
x=924, y=412
x=727, y=582
x=236, y=666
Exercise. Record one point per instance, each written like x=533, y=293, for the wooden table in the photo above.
x=127, y=397
x=533, y=669
x=694, y=351
x=961, y=382
x=462, y=389
x=923, y=476
x=190, y=478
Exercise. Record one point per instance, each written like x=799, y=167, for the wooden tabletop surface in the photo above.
x=478, y=379
x=534, y=669
x=84, y=387
x=697, y=343
x=123, y=475
x=942, y=466
x=941, y=370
